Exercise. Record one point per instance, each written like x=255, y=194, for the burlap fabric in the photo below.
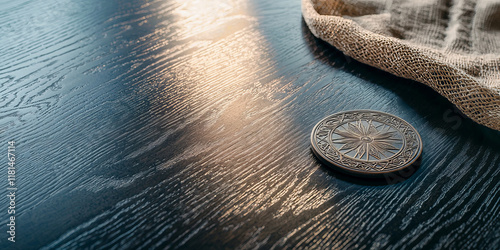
x=453, y=46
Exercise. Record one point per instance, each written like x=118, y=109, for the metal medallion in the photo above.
x=366, y=143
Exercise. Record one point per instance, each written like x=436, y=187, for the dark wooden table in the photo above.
x=186, y=124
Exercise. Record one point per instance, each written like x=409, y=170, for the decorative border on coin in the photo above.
x=366, y=143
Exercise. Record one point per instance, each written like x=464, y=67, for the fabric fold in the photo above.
x=452, y=46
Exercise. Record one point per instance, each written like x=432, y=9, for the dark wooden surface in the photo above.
x=185, y=124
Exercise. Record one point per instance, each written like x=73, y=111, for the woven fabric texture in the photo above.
x=453, y=46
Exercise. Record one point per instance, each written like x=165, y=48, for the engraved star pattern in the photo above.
x=367, y=141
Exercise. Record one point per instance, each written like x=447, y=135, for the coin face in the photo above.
x=366, y=143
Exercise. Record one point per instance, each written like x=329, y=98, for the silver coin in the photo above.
x=366, y=143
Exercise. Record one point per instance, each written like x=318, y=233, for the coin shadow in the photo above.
x=384, y=180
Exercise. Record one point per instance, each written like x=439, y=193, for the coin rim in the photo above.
x=330, y=163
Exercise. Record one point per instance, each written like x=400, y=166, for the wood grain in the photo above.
x=185, y=124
